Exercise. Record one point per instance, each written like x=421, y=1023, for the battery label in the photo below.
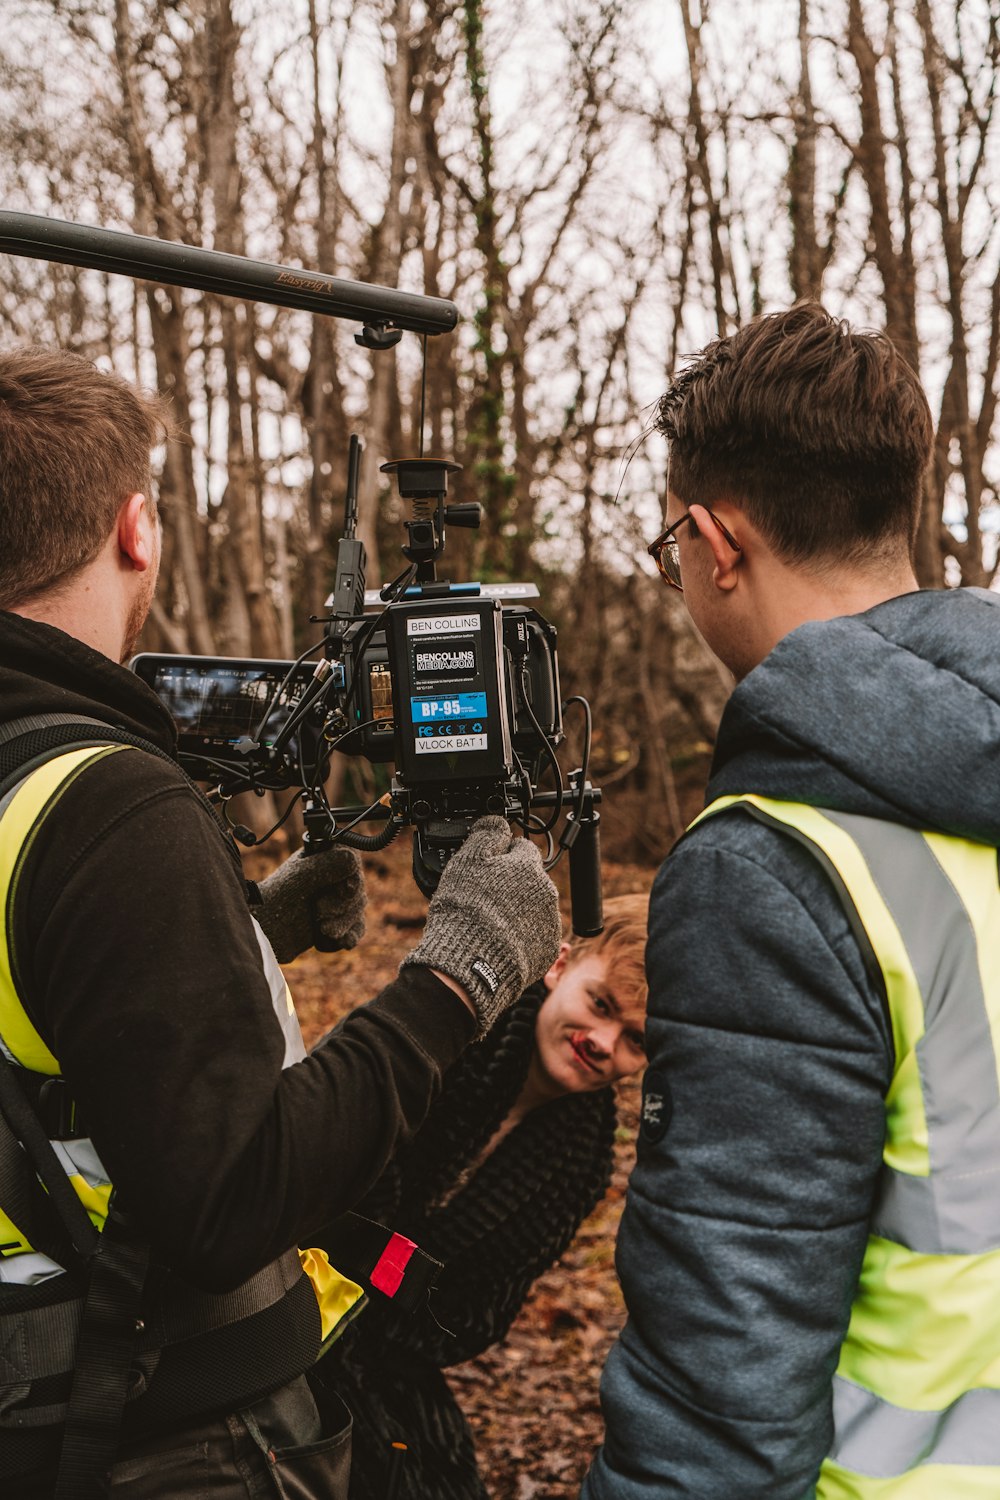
x=463, y=706
x=448, y=744
x=434, y=662
x=435, y=625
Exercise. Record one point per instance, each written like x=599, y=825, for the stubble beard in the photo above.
x=138, y=614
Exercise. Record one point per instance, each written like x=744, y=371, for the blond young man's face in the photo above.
x=587, y=1035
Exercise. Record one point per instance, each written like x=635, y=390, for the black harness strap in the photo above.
x=99, y=1390
x=110, y=1324
x=117, y=1262
x=80, y=1234
x=27, y=743
x=29, y=1209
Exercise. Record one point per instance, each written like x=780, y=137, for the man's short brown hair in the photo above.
x=74, y=444
x=820, y=435
x=622, y=945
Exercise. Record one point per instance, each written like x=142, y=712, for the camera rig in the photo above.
x=455, y=684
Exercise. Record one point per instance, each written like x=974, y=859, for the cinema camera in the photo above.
x=454, y=684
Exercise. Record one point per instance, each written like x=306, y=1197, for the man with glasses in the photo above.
x=810, y=1251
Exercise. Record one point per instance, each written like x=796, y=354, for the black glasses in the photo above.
x=667, y=555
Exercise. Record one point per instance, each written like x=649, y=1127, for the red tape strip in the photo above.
x=387, y=1277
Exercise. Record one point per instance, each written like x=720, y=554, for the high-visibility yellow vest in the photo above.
x=916, y=1395
x=21, y=811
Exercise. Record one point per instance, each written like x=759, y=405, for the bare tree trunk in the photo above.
x=322, y=393
x=957, y=421
x=383, y=439
x=897, y=272
x=244, y=570
x=700, y=168
x=805, y=261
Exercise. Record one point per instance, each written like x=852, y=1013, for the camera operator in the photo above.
x=809, y=1252
x=147, y=1032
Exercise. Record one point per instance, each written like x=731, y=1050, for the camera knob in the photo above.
x=421, y=809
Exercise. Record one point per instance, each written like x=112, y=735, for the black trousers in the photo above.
x=278, y=1449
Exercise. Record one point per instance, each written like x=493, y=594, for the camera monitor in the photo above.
x=219, y=705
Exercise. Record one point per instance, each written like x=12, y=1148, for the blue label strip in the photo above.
x=461, y=706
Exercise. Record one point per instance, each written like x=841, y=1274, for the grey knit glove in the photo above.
x=313, y=901
x=493, y=923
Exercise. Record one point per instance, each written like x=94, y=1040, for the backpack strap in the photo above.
x=22, y=1124
x=28, y=742
x=115, y=1261
x=115, y=1266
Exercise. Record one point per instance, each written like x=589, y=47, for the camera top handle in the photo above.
x=380, y=309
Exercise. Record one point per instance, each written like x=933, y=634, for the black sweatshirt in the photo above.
x=140, y=967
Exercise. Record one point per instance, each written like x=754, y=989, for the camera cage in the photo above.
x=487, y=686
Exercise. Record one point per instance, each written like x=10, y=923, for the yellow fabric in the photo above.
x=30, y=800
x=928, y=1482
x=917, y=1334
x=336, y=1294
x=94, y=1199
x=906, y=1124
x=12, y=1241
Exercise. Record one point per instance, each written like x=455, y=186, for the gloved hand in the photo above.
x=493, y=923
x=313, y=901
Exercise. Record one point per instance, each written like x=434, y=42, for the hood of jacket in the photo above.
x=43, y=670
x=894, y=713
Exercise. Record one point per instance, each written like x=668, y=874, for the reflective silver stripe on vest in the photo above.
x=295, y=1047
x=955, y=1211
x=75, y=1157
x=882, y=1441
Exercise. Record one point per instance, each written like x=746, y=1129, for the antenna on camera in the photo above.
x=354, y=453
x=348, y=598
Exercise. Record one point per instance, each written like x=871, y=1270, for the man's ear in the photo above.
x=555, y=973
x=137, y=533
x=727, y=560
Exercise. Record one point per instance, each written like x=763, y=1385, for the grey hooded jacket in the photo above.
x=770, y=1053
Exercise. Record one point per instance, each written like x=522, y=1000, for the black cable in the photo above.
x=285, y=683
x=367, y=842
x=364, y=636
x=353, y=729
x=553, y=761
x=423, y=397
x=392, y=591
x=264, y=836
x=230, y=776
x=548, y=862
x=585, y=763
x=524, y=786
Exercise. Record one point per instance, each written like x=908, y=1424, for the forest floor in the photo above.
x=532, y=1400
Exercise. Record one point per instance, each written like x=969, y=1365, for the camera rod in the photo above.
x=147, y=259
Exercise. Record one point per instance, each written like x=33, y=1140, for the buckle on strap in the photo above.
x=57, y=1111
